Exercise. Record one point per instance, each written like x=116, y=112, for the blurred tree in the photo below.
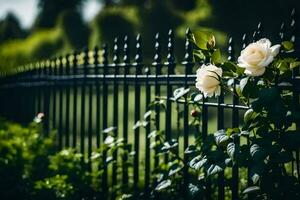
x=74, y=31
x=114, y=22
x=10, y=28
x=49, y=11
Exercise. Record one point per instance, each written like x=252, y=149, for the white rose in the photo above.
x=256, y=56
x=208, y=80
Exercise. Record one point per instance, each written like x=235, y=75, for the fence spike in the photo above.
x=105, y=55
x=60, y=65
x=244, y=41
x=171, y=57
x=75, y=62
x=188, y=47
x=231, y=49
x=126, y=57
x=116, y=58
x=258, y=33
x=85, y=60
x=157, y=55
x=96, y=57
x=68, y=64
x=282, y=32
x=138, y=55
x=293, y=25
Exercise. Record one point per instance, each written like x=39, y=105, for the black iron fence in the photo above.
x=83, y=94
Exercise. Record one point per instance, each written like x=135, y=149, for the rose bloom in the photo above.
x=208, y=80
x=257, y=56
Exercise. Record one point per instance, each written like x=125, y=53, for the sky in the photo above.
x=26, y=10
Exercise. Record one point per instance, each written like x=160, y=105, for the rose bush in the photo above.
x=263, y=146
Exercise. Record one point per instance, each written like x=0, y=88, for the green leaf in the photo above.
x=287, y=45
x=180, y=92
x=214, y=169
x=216, y=57
x=251, y=189
x=257, y=153
x=231, y=150
x=248, y=88
x=229, y=66
x=221, y=138
x=203, y=38
x=198, y=162
x=163, y=185
x=198, y=55
x=250, y=115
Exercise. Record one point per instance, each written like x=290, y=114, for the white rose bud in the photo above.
x=256, y=56
x=208, y=80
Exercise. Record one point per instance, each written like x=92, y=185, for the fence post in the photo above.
x=116, y=62
x=105, y=116
x=188, y=70
x=235, y=118
x=138, y=66
x=98, y=105
x=126, y=59
x=60, y=104
x=158, y=65
x=170, y=70
x=67, y=122
x=75, y=91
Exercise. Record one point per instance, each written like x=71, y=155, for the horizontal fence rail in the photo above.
x=84, y=93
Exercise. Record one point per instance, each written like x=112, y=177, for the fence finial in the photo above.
x=75, y=62
x=157, y=55
x=244, y=41
x=116, y=58
x=171, y=57
x=138, y=55
x=126, y=57
x=105, y=54
x=188, y=47
x=96, y=57
x=258, y=33
x=231, y=49
x=85, y=60
x=60, y=66
x=282, y=32
x=293, y=25
x=67, y=64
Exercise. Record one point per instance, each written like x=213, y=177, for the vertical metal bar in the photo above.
x=67, y=122
x=55, y=72
x=125, y=107
x=74, y=142
x=116, y=62
x=105, y=115
x=188, y=70
x=221, y=184
x=235, y=121
x=90, y=110
x=83, y=95
x=46, y=99
x=171, y=66
x=137, y=104
x=98, y=105
x=60, y=112
x=147, y=140
x=158, y=65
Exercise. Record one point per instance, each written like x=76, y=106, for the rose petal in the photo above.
x=264, y=41
x=275, y=49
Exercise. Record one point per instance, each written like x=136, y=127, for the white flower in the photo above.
x=257, y=56
x=208, y=80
